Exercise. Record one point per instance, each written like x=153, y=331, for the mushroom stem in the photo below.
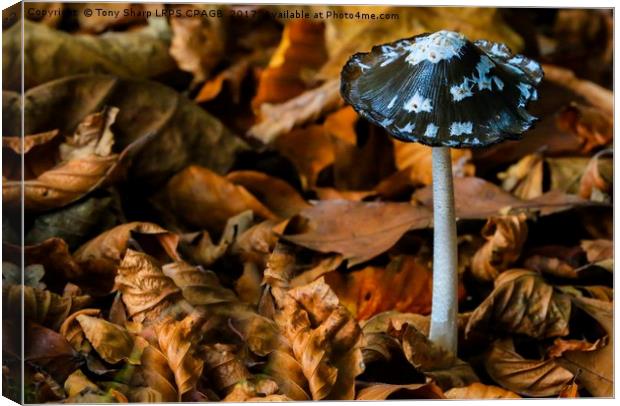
x=443, y=329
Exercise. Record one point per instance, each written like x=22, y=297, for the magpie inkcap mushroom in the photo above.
x=440, y=89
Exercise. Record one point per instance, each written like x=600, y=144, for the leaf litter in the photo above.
x=288, y=257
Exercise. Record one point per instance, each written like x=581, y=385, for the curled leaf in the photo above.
x=223, y=367
x=145, y=290
x=323, y=338
x=524, y=376
x=199, y=287
x=112, y=342
x=178, y=341
x=522, y=302
x=505, y=237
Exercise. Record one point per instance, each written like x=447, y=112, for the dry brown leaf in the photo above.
x=598, y=250
x=569, y=391
x=77, y=382
x=49, y=350
x=40, y=305
x=560, y=346
x=158, y=375
x=140, y=53
x=446, y=370
x=255, y=244
x=101, y=256
x=179, y=342
x=223, y=367
x=597, y=180
x=217, y=197
x=198, y=43
x=382, y=322
x=258, y=389
x=594, y=368
x=85, y=162
x=357, y=230
x=475, y=198
x=405, y=285
x=525, y=178
x=384, y=391
x=145, y=290
x=323, y=339
x=417, y=159
x=528, y=377
x=478, y=390
x=233, y=76
x=198, y=286
x=310, y=149
x=593, y=126
x=523, y=303
x=300, y=53
x=199, y=249
x=276, y=194
x=112, y=342
x=505, y=237
x=74, y=333
x=281, y=118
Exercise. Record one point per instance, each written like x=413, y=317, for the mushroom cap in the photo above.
x=440, y=89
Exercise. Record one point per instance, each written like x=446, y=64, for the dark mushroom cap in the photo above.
x=440, y=89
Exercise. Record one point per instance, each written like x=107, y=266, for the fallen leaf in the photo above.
x=597, y=180
x=178, y=341
x=75, y=223
x=49, y=350
x=73, y=331
x=218, y=198
x=100, y=257
x=198, y=43
x=223, y=367
x=165, y=130
x=357, y=230
x=157, y=374
x=198, y=286
x=594, y=368
x=199, y=248
x=505, y=237
x=475, y=198
x=40, y=305
x=145, y=289
x=324, y=340
x=417, y=158
x=560, y=346
x=598, y=250
x=523, y=303
x=281, y=118
x=478, y=390
x=112, y=342
x=301, y=52
x=52, y=54
x=276, y=194
x=446, y=370
x=527, y=377
x=525, y=178
x=77, y=382
x=260, y=389
x=593, y=127
x=384, y=391
x=405, y=285
x=310, y=149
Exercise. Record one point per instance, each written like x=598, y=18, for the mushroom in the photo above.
x=444, y=91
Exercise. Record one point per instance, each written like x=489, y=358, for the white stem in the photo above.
x=443, y=329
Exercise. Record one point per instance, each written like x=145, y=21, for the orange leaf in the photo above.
x=301, y=49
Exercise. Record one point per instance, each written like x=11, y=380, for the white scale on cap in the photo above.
x=435, y=47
